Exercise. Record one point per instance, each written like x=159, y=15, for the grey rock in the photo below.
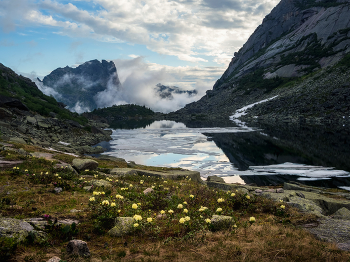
x=78, y=247
x=279, y=190
x=54, y=259
x=11, y=227
x=87, y=188
x=18, y=140
x=148, y=191
x=342, y=213
x=215, y=179
x=123, y=226
x=220, y=222
x=101, y=183
x=58, y=190
x=83, y=164
x=299, y=194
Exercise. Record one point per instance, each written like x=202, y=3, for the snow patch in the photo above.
x=242, y=111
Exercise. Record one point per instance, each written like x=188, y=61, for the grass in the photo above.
x=275, y=235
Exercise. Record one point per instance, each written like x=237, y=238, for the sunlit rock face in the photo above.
x=294, y=39
x=82, y=88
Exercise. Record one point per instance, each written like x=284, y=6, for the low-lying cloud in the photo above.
x=138, y=85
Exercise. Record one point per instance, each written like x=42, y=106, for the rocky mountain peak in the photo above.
x=78, y=87
x=298, y=36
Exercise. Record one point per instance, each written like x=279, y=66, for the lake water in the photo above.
x=264, y=155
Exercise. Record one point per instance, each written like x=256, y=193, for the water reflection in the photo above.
x=230, y=151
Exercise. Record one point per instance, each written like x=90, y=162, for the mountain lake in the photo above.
x=263, y=155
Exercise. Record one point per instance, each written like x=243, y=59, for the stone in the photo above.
x=101, y=183
x=18, y=140
x=12, y=227
x=87, y=188
x=279, y=190
x=54, y=259
x=342, y=213
x=83, y=164
x=78, y=247
x=148, y=190
x=215, y=179
x=258, y=191
x=22, y=152
x=123, y=226
x=123, y=171
x=299, y=194
x=58, y=190
x=219, y=222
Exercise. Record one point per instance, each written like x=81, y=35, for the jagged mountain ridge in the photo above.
x=295, y=40
x=81, y=86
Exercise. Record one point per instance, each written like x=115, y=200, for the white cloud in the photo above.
x=191, y=30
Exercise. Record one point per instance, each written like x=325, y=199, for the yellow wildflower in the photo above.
x=185, y=210
x=233, y=194
x=180, y=206
x=208, y=220
x=113, y=204
x=149, y=219
x=182, y=220
x=137, y=217
x=134, y=206
x=136, y=225
x=219, y=209
x=247, y=196
x=92, y=199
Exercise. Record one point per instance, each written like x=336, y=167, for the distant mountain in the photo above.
x=79, y=87
x=166, y=92
x=300, y=54
x=29, y=116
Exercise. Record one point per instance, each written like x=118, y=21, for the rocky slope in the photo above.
x=297, y=39
x=29, y=116
x=81, y=88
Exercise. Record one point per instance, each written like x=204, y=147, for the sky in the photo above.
x=185, y=43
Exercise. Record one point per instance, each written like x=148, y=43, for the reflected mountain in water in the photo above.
x=277, y=144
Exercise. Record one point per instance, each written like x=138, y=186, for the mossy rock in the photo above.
x=123, y=226
x=342, y=213
x=101, y=183
x=219, y=222
x=83, y=164
x=11, y=227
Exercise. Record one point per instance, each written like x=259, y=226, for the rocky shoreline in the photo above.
x=18, y=124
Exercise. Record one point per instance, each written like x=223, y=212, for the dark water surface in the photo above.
x=240, y=154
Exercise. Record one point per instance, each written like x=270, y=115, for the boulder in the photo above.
x=12, y=227
x=54, y=259
x=123, y=226
x=342, y=213
x=78, y=247
x=215, y=179
x=18, y=140
x=122, y=171
x=219, y=222
x=58, y=190
x=148, y=191
x=101, y=183
x=83, y=164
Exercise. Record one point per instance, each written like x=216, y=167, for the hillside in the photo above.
x=29, y=116
x=123, y=116
x=298, y=42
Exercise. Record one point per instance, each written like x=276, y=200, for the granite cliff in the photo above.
x=299, y=42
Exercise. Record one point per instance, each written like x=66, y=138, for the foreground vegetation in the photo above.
x=172, y=223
